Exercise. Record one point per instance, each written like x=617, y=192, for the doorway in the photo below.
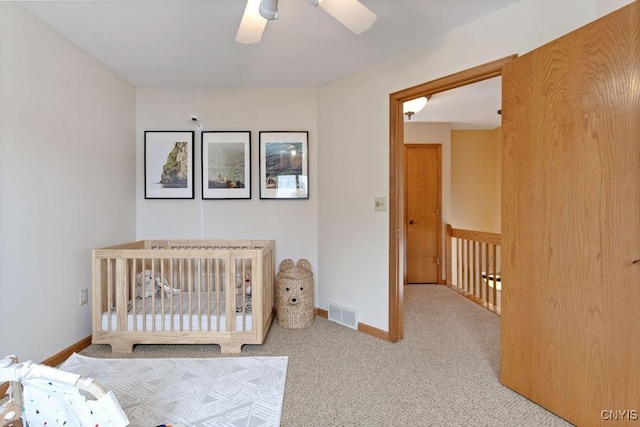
x=397, y=228
x=423, y=207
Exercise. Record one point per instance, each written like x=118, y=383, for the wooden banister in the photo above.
x=472, y=265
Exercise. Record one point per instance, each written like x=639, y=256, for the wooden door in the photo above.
x=571, y=223
x=422, y=213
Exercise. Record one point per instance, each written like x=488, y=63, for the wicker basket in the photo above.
x=294, y=294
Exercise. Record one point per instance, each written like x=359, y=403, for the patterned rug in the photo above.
x=227, y=391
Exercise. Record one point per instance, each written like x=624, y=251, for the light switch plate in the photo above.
x=380, y=204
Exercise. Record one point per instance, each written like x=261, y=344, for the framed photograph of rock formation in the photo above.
x=168, y=164
x=226, y=165
x=284, y=165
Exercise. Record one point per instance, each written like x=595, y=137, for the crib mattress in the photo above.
x=197, y=315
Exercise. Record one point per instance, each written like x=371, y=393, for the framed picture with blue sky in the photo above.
x=284, y=165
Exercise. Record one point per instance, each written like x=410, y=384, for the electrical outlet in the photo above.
x=380, y=204
x=84, y=296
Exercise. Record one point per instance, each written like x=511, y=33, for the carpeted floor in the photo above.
x=444, y=373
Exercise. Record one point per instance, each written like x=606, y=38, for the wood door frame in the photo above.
x=396, y=176
x=438, y=147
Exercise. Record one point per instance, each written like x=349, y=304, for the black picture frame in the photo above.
x=226, y=164
x=284, y=165
x=168, y=164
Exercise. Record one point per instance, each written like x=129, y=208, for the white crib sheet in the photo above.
x=196, y=316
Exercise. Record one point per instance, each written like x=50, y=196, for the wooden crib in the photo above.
x=183, y=292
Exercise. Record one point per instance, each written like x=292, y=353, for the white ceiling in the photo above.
x=473, y=106
x=191, y=43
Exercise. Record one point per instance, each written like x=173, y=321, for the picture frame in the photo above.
x=284, y=165
x=168, y=164
x=226, y=164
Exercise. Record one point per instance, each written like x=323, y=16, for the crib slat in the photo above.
x=207, y=285
x=110, y=302
x=199, y=290
x=218, y=289
x=230, y=295
x=132, y=291
x=172, y=283
x=243, y=294
x=153, y=295
x=162, y=295
x=144, y=300
x=181, y=276
x=121, y=295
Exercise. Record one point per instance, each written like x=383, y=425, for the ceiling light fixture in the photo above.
x=269, y=9
x=350, y=13
x=414, y=106
x=253, y=24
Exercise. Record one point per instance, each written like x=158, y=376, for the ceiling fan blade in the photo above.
x=252, y=24
x=350, y=13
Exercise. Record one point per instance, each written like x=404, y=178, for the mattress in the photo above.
x=196, y=315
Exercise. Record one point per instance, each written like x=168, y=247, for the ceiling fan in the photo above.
x=350, y=13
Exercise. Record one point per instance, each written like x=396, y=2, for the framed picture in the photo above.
x=168, y=165
x=284, y=165
x=226, y=165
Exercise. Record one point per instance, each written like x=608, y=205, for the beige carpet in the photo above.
x=444, y=372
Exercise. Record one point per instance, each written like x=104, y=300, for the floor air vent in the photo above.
x=346, y=316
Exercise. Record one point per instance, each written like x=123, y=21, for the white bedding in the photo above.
x=195, y=316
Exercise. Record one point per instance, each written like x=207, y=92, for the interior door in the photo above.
x=423, y=203
x=571, y=223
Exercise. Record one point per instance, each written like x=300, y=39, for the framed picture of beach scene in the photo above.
x=168, y=164
x=226, y=165
x=284, y=165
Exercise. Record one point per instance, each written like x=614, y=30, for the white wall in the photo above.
x=293, y=224
x=604, y=7
x=67, y=168
x=354, y=147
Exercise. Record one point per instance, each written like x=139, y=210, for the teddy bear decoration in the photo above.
x=294, y=294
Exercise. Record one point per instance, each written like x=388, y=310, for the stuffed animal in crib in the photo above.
x=246, y=280
x=147, y=289
x=247, y=285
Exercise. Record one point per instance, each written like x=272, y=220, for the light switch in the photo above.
x=380, y=204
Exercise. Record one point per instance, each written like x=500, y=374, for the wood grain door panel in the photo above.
x=423, y=225
x=571, y=223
